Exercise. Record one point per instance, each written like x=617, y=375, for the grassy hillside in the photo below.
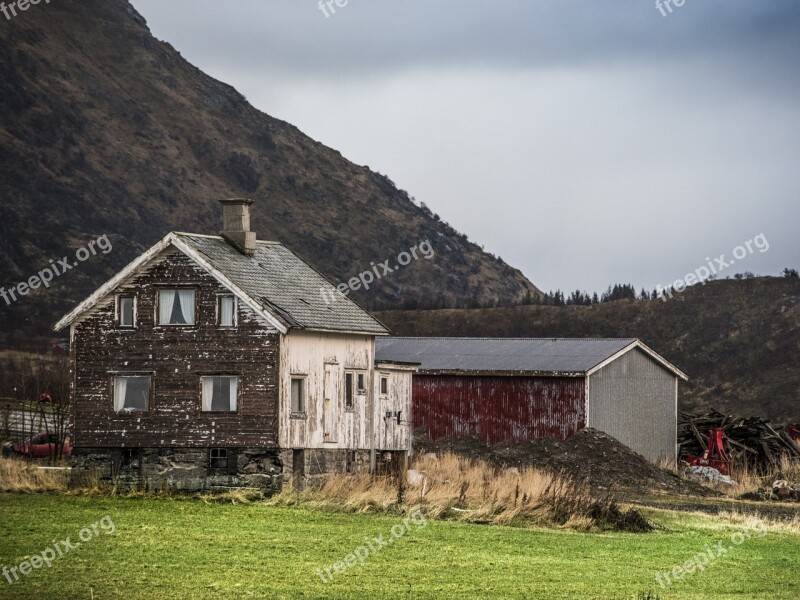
x=739, y=341
x=106, y=130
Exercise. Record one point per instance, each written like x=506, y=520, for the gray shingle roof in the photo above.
x=546, y=355
x=285, y=286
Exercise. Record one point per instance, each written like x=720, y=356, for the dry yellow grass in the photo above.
x=736, y=517
x=748, y=480
x=18, y=475
x=458, y=488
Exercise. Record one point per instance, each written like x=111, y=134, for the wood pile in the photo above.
x=752, y=440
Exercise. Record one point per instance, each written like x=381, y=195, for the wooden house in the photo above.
x=214, y=361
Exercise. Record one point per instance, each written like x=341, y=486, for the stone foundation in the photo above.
x=194, y=469
x=317, y=463
x=177, y=469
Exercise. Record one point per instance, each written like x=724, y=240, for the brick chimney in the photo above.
x=236, y=224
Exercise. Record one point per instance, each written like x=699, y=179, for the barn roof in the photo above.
x=274, y=282
x=510, y=356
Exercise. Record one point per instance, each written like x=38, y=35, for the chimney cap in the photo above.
x=233, y=201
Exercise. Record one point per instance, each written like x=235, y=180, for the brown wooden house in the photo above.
x=215, y=361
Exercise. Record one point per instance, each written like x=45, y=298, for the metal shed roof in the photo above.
x=546, y=356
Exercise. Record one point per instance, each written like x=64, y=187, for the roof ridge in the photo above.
x=219, y=237
x=443, y=337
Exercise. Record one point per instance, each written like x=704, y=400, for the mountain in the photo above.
x=105, y=130
x=737, y=340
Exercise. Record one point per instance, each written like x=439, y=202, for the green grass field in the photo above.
x=167, y=548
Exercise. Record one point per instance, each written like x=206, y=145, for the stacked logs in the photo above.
x=752, y=440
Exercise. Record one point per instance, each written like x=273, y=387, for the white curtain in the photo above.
x=234, y=386
x=166, y=301
x=210, y=383
x=208, y=392
x=187, y=305
x=226, y=311
x=120, y=389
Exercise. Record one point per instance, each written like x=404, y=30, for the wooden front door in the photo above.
x=330, y=403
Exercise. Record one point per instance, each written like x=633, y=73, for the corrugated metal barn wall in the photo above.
x=498, y=409
x=633, y=399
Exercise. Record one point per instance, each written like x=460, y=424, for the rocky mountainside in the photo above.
x=739, y=341
x=105, y=130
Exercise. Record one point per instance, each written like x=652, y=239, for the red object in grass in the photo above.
x=794, y=431
x=715, y=455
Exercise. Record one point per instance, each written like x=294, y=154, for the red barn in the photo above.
x=519, y=389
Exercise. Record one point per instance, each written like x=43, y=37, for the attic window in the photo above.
x=176, y=307
x=384, y=385
x=227, y=311
x=126, y=311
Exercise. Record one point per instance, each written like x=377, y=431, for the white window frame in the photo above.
x=119, y=299
x=303, y=396
x=235, y=322
x=384, y=377
x=361, y=390
x=206, y=403
x=352, y=389
x=163, y=290
x=116, y=386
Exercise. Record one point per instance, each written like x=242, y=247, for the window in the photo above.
x=361, y=386
x=384, y=386
x=176, y=307
x=131, y=394
x=227, y=311
x=349, y=390
x=131, y=457
x=218, y=458
x=219, y=393
x=298, y=395
x=126, y=311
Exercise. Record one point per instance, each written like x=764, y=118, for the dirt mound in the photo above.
x=592, y=456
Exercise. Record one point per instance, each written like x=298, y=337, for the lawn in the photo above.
x=168, y=548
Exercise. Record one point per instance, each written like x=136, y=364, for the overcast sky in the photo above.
x=585, y=142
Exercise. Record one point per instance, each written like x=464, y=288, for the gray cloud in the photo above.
x=585, y=142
